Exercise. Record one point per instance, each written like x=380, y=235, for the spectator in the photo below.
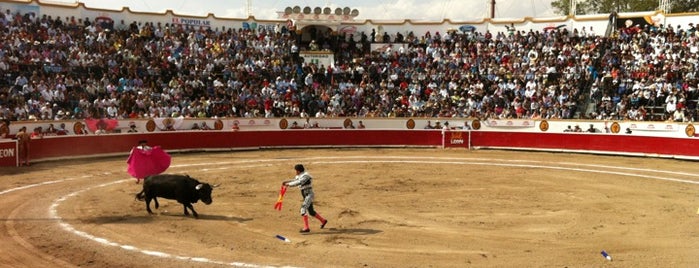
x=466, y=126
x=446, y=126
x=37, y=133
x=295, y=125
x=591, y=129
x=132, y=128
x=4, y=129
x=51, y=130
x=62, y=130
x=60, y=115
x=678, y=115
x=313, y=46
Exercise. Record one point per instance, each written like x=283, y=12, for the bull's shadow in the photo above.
x=139, y=219
x=203, y=217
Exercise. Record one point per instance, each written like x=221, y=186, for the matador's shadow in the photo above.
x=352, y=231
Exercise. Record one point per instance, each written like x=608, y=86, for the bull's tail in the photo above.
x=141, y=196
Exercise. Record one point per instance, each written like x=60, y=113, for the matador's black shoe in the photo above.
x=322, y=225
x=304, y=230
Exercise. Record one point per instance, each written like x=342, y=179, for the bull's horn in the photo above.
x=198, y=187
x=216, y=185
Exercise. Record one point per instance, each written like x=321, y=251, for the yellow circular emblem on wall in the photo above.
x=615, y=127
x=544, y=125
x=410, y=124
x=283, y=124
x=218, y=124
x=78, y=128
x=476, y=124
x=150, y=125
x=690, y=130
x=347, y=122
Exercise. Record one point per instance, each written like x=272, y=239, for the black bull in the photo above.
x=183, y=188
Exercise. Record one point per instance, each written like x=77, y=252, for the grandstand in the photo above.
x=71, y=63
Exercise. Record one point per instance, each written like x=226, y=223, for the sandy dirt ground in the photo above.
x=386, y=208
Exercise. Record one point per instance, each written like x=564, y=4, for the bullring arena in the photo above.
x=386, y=208
x=515, y=187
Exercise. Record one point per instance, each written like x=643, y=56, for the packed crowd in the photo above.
x=71, y=68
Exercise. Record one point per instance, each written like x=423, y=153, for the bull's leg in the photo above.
x=189, y=205
x=148, y=205
x=157, y=205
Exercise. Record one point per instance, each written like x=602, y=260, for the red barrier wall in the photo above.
x=58, y=147
x=685, y=148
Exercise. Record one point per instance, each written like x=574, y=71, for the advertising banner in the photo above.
x=8, y=153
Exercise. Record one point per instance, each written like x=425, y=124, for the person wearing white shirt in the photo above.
x=670, y=107
x=112, y=111
x=678, y=115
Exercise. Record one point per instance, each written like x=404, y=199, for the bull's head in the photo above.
x=204, y=192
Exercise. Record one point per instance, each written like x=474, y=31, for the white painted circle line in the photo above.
x=69, y=228
x=32, y=186
x=524, y=166
x=274, y=161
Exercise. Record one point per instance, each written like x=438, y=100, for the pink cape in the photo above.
x=143, y=163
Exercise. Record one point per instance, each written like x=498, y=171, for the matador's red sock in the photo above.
x=305, y=222
x=320, y=218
